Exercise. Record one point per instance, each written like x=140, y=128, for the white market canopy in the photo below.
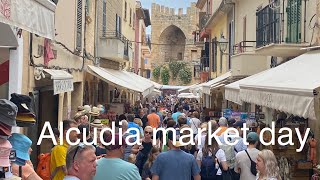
x=188, y=95
x=217, y=82
x=35, y=16
x=288, y=87
x=169, y=87
x=187, y=88
x=123, y=80
x=232, y=90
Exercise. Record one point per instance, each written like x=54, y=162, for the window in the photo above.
x=180, y=56
x=87, y=7
x=125, y=10
x=221, y=56
x=214, y=54
x=118, y=24
x=104, y=18
x=79, y=26
x=133, y=20
x=130, y=17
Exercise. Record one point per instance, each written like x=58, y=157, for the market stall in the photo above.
x=287, y=95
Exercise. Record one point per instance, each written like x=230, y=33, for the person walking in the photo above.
x=154, y=119
x=244, y=158
x=175, y=164
x=81, y=162
x=111, y=166
x=267, y=166
x=58, y=154
x=144, y=149
x=146, y=174
x=195, y=122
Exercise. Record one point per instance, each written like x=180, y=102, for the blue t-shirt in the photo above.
x=133, y=125
x=116, y=169
x=175, y=165
x=175, y=116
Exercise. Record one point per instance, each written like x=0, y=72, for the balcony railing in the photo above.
x=269, y=26
x=203, y=20
x=244, y=46
x=272, y=26
x=114, y=34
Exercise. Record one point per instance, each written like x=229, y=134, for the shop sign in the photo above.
x=62, y=85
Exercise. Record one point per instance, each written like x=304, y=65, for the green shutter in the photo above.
x=293, y=11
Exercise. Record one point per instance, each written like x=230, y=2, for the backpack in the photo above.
x=253, y=168
x=208, y=166
x=229, y=150
x=43, y=168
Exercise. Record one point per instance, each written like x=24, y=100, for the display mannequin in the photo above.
x=313, y=150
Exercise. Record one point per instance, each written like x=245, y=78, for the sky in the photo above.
x=169, y=3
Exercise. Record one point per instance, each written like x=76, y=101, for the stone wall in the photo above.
x=172, y=33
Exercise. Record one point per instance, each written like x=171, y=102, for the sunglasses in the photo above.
x=80, y=145
x=148, y=132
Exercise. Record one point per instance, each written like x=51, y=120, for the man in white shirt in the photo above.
x=195, y=122
x=243, y=163
x=81, y=162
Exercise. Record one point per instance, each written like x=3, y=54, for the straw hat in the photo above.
x=95, y=111
x=80, y=108
x=97, y=123
x=87, y=108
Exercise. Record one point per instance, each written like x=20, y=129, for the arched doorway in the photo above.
x=172, y=41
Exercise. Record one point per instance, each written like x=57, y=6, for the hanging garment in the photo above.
x=48, y=53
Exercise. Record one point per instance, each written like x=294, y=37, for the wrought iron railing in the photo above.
x=114, y=34
x=203, y=20
x=244, y=46
x=269, y=26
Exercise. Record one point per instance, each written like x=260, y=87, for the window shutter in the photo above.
x=104, y=19
x=79, y=25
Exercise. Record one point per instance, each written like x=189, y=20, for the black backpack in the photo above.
x=208, y=167
x=253, y=168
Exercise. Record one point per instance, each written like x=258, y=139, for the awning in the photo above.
x=169, y=87
x=7, y=37
x=62, y=80
x=188, y=95
x=215, y=82
x=35, y=16
x=187, y=88
x=123, y=80
x=232, y=90
x=288, y=87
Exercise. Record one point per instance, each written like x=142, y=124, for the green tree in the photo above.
x=185, y=75
x=156, y=73
x=165, y=75
x=175, y=67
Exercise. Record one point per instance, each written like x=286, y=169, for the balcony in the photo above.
x=114, y=46
x=198, y=42
x=245, y=62
x=277, y=36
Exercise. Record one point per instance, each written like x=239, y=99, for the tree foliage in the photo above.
x=156, y=73
x=165, y=75
x=185, y=75
x=175, y=67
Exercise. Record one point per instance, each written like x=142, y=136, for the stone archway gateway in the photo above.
x=173, y=39
x=173, y=42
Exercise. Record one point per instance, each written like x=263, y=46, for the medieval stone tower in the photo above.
x=172, y=37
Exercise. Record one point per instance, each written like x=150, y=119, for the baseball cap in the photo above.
x=238, y=124
x=170, y=137
x=8, y=112
x=252, y=136
x=116, y=145
x=5, y=148
x=21, y=144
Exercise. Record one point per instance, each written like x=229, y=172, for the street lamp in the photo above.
x=223, y=44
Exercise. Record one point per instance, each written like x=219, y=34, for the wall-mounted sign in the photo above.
x=62, y=85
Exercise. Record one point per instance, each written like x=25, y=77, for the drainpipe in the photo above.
x=96, y=61
x=305, y=20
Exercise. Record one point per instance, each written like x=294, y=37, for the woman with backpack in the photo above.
x=212, y=160
x=267, y=166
